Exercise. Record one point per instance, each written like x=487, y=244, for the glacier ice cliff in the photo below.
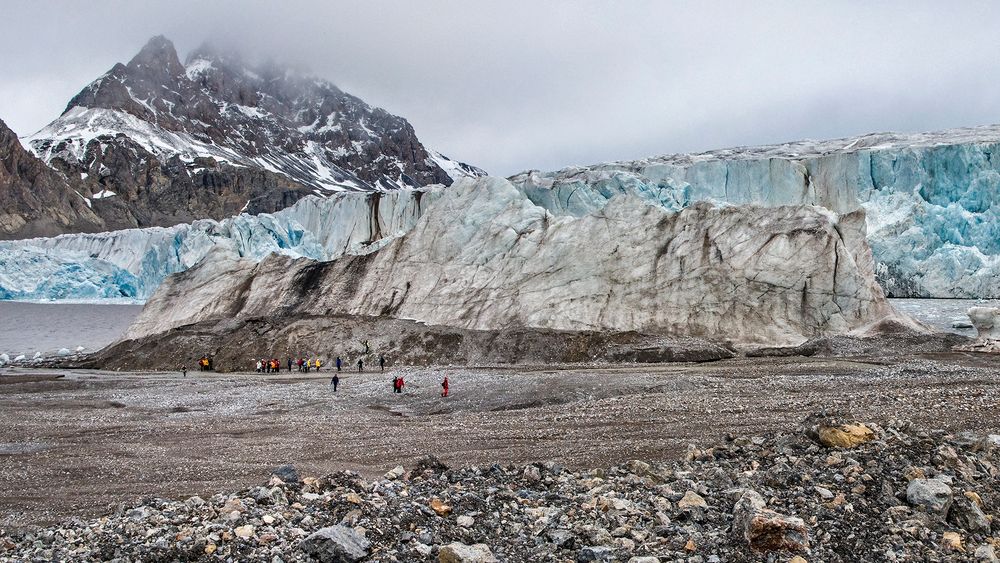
x=930, y=203
x=931, y=200
x=484, y=256
x=131, y=263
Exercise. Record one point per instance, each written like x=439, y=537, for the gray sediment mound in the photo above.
x=231, y=343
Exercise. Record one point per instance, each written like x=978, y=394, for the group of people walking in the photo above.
x=273, y=365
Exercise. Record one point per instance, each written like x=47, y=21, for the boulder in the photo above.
x=846, y=435
x=287, y=473
x=457, y=552
x=692, y=499
x=595, y=553
x=966, y=514
x=428, y=463
x=765, y=530
x=934, y=495
x=986, y=553
x=336, y=544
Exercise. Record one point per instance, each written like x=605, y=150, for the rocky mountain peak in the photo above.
x=262, y=116
x=158, y=55
x=155, y=142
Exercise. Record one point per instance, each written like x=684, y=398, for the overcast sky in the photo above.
x=516, y=85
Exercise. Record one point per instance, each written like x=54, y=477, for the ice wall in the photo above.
x=484, y=257
x=931, y=207
x=131, y=263
x=930, y=203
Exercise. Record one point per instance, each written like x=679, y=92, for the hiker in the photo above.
x=401, y=384
x=338, y=363
x=184, y=370
x=381, y=361
x=299, y=363
x=257, y=366
x=289, y=365
x=395, y=384
x=317, y=364
x=361, y=365
x=444, y=387
x=335, y=382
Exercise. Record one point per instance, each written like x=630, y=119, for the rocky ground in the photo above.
x=832, y=490
x=86, y=444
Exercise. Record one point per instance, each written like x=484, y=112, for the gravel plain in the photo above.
x=78, y=443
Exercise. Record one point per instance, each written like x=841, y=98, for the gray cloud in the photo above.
x=549, y=84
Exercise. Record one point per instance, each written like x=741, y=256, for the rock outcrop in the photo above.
x=36, y=200
x=484, y=257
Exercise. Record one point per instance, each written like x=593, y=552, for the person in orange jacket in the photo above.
x=444, y=387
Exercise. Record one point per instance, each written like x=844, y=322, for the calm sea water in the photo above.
x=26, y=328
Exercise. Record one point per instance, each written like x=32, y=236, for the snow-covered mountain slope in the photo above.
x=171, y=142
x=931, y=200
x=132, y=263
x=483, y=256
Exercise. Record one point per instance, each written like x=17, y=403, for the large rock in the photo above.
x=765, y=530
x=934, y=495
x=484, y=257
x=336, y=544
x=458, y=552
x=967, y=515
x=847, y=435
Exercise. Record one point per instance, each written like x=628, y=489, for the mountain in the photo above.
x=36, y=200
x=159, y=142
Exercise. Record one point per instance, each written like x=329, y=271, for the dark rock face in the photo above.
x=34, y=199
x=161, y=142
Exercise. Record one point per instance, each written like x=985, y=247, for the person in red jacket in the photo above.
x=444, y=387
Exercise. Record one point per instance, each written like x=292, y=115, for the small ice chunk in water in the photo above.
x=80, y=348
x=63, y=352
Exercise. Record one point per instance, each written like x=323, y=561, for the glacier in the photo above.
x=484, y=257
x=930, y=203
x=931, y=200
x=130, y=264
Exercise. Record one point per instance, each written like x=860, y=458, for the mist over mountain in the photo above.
x=157, y=141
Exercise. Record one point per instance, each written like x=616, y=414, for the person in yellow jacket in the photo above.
x=316, y=364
